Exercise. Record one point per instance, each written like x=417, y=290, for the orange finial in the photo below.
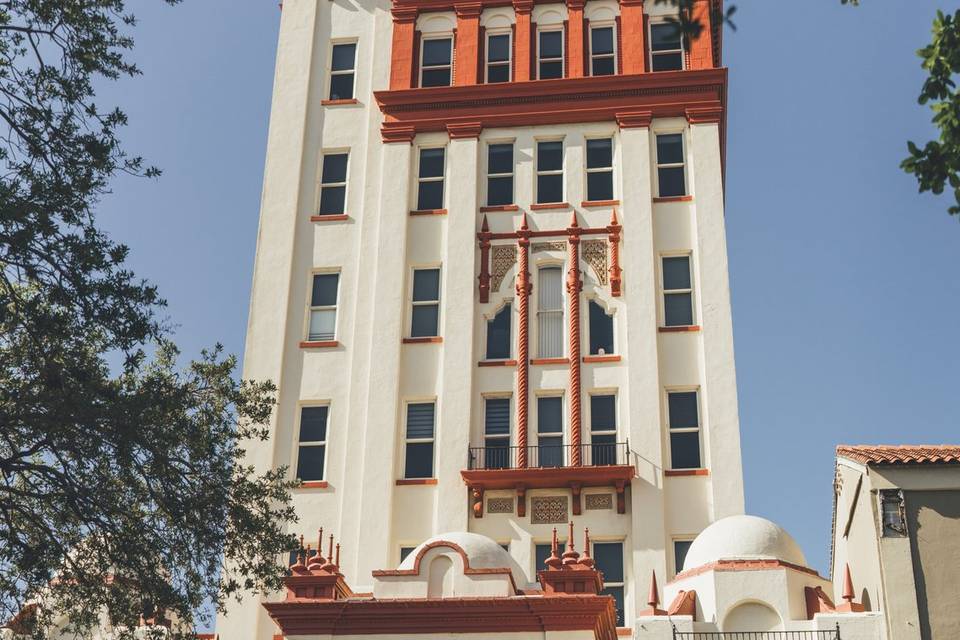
x=847, y=584
x=653, y=598
x=320, y=540
x=330, y=550
x=585, y=558
x=570, y=556
x=613, y=218
x=523, y=222
x=573, y=220
x=337, y=560
x=483, y=225
x=554, y=561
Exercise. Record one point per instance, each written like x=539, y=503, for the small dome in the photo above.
x=481, y=552
x=743, y=538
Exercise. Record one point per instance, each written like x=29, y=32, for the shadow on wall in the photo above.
x=933, y=521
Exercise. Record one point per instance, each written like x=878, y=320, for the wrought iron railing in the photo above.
x=829, y=634
x=549, y=456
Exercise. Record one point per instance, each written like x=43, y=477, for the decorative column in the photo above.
x=574, y=285
x=484, y=277
x=521, y=62
x=468, y=43
x=401, y=56
x=575, y=37
x=634, y=50
x=524, y=287
x=614, y=230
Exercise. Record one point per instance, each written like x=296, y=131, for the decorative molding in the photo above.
x=682, y=329
x=499, y=207
x=499, y=505
x=550, y=361
x=460, y=130
x=319, y=344
x=428, y=212
x=330, y=218
x=497, y=363
x=335, y=103
x=704, y=115
x=549, y=510
x=398, y=133
x=673, y=199
x=595, y=255
x=314, y=484
x=402, y=482
x=634, y=120
x=504, y=257
x=546, y=206
x=603, y=358
x=673, y=473
x=598, y=501
x=548, y=246
x=586, y=204
x=743, y=565
x=424, y=340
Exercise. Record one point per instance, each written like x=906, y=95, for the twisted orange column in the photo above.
x=484, y=277
x=614, y=230
x=524, y=287
x=574, y=285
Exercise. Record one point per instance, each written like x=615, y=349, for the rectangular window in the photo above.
x=603, y=430
x=436, y=62
x=425, y=321
x=550, y=431
x=601, y=330
x=680, y=548
x=550, y=312
x=420, y=427
x=600, y=169
x=550, y=171
x=677, y=292
x=496, y=433
x=312, y=443
x=430, y=171
x=684, y=418
x=666, y=47
x=892, y=513
x=333, y=184
x=498, y=334
x=549, y=54
x=323, y=307
x=405, y=551
x=609, y=560
x=498, y=57
x=342, y=61
x=499, y=174
x=671, y=178
x=603, y=61
x=542, y=551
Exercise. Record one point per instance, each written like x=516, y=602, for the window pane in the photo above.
x=603, y=413
x=678, y=310
x=313, y=424
x=341, y=86
x=671, y=182
x=601, y=330
x=310, y=463
x=419, y=460
x=404, y=552
x=550, y=451
x=436, y=52
x=599, y=153
x=334, y=168
x=550, y=294
x=540, y=554
x=426, y=285
x=420, y=417
x=669, y=148
x=425, y=321
x=500, y=158
x=680, y=548
x=603, y=66
x=668, y=62
x=324, y=292
x=600, y=185
x=332, y=200
x=685, y=450
x=430, y=195
x=498, y=73
x=497, y=417
x=550, y=155
x=664, y=37
x=435, y=78
x=431, y=162
x=676, y=273
x=343, y=56
x=550, y=188
x=608, y=557
x=323, y=324
x=550, y=414
x=498, y=48
x=499, y=191
x=602, y=41
x=551, y=70
x=617, y=593
x=683, y=410
x=551, y=44
x=498, y=335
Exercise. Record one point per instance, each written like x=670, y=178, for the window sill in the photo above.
x=685, y=472
x=600, y=203
x=428, y=212
x=405, y=482
x=680, y=329
x=624, y=631
x=674, y=199
x=319, y=344
x=337, y=103
x=543, y=206
x=427, y=340
x=604, y=358
x=499, y=207
x=330, y=218
x=497, y=363
x=550, y=361
x=314, y=484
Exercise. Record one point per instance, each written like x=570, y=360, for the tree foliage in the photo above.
x=123, y=486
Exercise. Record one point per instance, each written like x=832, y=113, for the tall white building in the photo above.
x=491, y=283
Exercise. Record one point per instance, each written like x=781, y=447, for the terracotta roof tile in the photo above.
x=900, y=454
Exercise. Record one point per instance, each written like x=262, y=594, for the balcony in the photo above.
x=548, y=467
x=829, y=634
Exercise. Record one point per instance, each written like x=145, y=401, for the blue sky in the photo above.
x=845, y=291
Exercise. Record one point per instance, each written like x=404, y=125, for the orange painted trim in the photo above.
x=336, y=103
x=330, y=218
x=497, y=363
x=743, y=565
x=674, y=199
x=499, y=207
x=315, y=484
x=549, y=205
x=549, y=360
x=426, y=340
x=428, y=212
x=624, y=631
x=549, y=477
x=319, y=344
x=605, y=358
x=634, y=120
x=682, y=329
x=600, y=203
x=404, y=482
x=461, y=130
x=685, y=472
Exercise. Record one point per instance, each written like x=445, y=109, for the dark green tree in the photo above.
x=123, y=486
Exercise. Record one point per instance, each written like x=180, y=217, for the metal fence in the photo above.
x=549, y=456
x=830, y=634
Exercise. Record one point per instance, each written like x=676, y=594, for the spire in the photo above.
x=653, y=598
x=573, y=220
x=570, y=556
x=523, y=222
x=316, y=560
x=585, y=558
x=554, y=562
x=484, y=226
x=613, y=218
x=847, y=584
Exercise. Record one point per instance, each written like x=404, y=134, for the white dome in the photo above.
x=743, y=538
x=481, y=552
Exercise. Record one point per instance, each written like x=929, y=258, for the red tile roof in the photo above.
x=901, y=454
